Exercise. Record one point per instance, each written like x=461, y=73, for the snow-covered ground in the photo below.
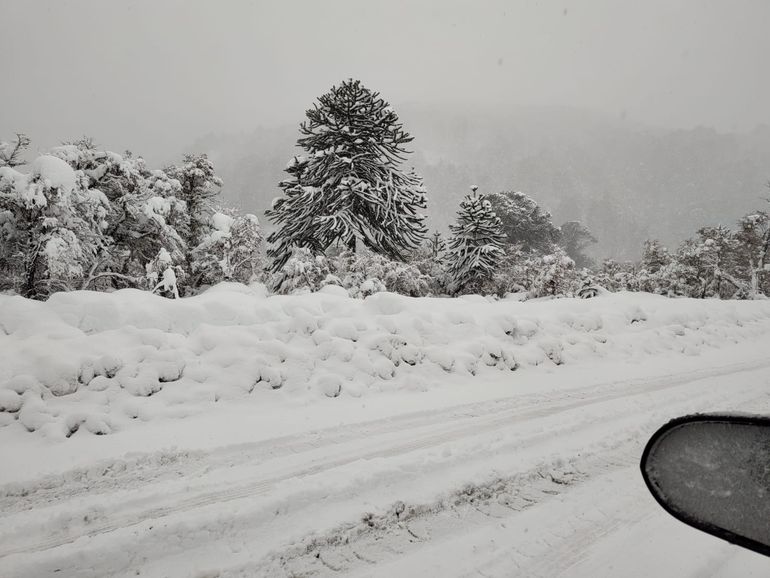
x=244, y=435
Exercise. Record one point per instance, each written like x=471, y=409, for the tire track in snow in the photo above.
x=151, y=468
x=565, y=543
x=475, y=424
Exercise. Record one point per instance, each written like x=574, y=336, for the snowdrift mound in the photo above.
x=94, y=362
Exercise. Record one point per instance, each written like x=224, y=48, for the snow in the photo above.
x=54, y=172
x=233, y=342
x=237, y=433
x=17, y=180
x=222, y=222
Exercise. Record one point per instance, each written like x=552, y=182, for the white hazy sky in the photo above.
x=152, y=75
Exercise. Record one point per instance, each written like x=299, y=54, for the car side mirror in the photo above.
x=713, y=473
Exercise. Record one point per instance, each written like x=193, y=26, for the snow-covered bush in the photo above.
x=364, y=273
x=163, y=276
x=198, y=185
x=145, y=213
x=615, y=276
x=556, y=276
x=428, y=260
x=85, y=218
x=231, y=250
x=303, y=272
x=51, y=226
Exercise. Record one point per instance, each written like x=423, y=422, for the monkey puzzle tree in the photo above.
x=348, y=187
x=476, y=245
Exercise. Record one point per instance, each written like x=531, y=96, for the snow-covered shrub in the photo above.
x=430, y=266
x=303, y=272
x=52, y=226
x=615, y=276
x=231, y=250
x=85, y=218
x=514, y=273
x=753, y=252
x=163, y=276
x=556, y=276
x=145, y=213
x=198, y=184
x=364, y=273
x=706, y=266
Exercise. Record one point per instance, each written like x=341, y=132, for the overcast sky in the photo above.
x=152, y=75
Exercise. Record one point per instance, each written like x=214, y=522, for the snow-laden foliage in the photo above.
x=534, y=276
x=198, y=185
x=303, y=272
x=51, y=227
x=11, y=153
x=429, y=261
x=476, y=245
x=145, y=213
x=85, y=218
x=231, y=250
x=348, y=186
x=556, y=275
x=163, y=276
x=753, y=236
x=365, y=273
x=524, y=222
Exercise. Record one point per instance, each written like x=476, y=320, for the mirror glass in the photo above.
x=713, y=472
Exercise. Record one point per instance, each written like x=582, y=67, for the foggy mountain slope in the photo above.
x=625, y=181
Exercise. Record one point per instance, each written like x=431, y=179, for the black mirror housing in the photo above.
x=712, y=472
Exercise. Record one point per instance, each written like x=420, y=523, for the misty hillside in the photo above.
x=626, y=182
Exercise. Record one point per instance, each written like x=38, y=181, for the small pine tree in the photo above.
x=476, y=245
x=437, y=245
x=349, y=188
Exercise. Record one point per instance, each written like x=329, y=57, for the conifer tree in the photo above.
x=436, y=244
x=524, y=222
x=199, y=184
x=476, y=245
x=348, y=187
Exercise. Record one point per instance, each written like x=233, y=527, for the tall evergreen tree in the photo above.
x=476, y=245
x=349, y=186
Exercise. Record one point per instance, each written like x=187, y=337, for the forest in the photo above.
x=79, y=217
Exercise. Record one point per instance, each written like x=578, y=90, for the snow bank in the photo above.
x=98, y=362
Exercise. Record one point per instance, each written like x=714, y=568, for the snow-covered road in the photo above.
x=541, y=483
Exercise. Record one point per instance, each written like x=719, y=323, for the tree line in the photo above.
x=350, y=215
